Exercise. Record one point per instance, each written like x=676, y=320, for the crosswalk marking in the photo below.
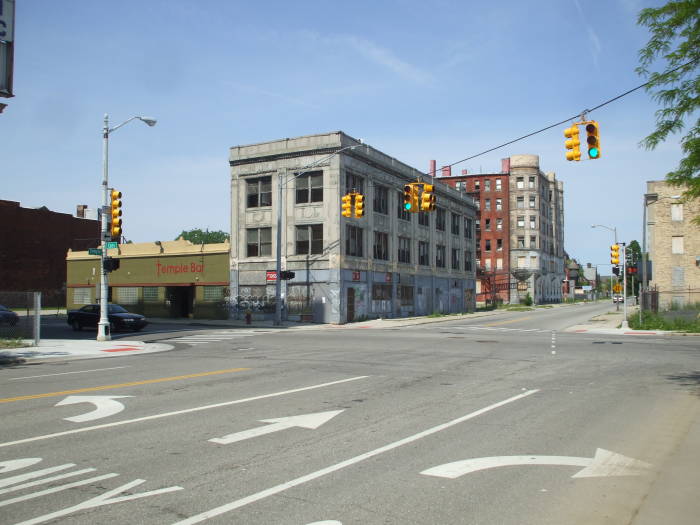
x=499, y=329
x=218, y=336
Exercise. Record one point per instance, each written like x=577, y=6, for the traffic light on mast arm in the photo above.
x=347, y=205
x=428, y=199
x=359, y=205
x=593, y=139
x=573, y=143
x=115, y=229
x=615, y=254
x=410, y=198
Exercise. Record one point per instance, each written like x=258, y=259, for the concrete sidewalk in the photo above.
x=61, y=349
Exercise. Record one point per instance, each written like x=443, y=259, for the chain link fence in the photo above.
x=20, y=315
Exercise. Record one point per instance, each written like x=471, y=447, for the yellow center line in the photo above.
x=510, y=321
x=122, y=385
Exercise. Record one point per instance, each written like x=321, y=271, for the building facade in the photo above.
x=520, y=232
x=674, y=245
x=388, y=263
x=156, y=279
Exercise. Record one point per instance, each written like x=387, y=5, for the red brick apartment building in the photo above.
x=492, y=196
x=33, y=247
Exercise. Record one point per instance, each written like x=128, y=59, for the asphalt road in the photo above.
x=492, y=420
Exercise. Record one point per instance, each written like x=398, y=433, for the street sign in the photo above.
x=111, y=245
x=94, y=251
x=617, y=288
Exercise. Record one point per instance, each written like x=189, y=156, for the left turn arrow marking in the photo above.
x=105, y=406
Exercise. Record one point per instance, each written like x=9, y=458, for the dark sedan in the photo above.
x=7, y=316
x=119, y=318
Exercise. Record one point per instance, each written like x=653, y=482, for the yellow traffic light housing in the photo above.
x=593, y=139
x=359, y=205
x=115, y=229
x=347, y=205
x=615, y=254
x=428, y=199
x=410, y=197
x=573, y=143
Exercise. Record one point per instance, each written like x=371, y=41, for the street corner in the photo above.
x=67, y=349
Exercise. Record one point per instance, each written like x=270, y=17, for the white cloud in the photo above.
x=595, y=45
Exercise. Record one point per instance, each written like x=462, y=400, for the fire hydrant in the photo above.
x=248, y=316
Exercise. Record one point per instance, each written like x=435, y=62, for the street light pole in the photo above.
x=103, y=333
x=281, y=182
x=614, y=230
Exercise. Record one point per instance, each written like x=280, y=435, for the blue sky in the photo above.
x=417, y=80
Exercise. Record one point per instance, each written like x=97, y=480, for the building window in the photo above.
x=455, y=259
x=499, y=225
x=520, y=202
x=519, y=183
x=405, y=295
x=499, y=264
x=487, y=225
x=309, y=239
x=440, y=256
x=533, y=241
x=487, y=204
x=487, y=245
x=521, y=262
x=455, y=224
x=498, y=185
x=150, y=294
x=259, y=192
x=353, y=241
x=82, y=295
x=381, y=292
x=402, y=213
x=477, y=185
x=128, y=295
x=676, y=212
x=468, y=228
x=404, y=250
x=499, y=245
x=677, y=276
x=533, y=262
x=531, y=182
x=423, y=253
x=532, y=202
x=521, y=242
x=310, y=187
x=424, y=219
x=354, y=183
x=381, y=200
x=499, y=204
x=381, y=246
x=533, y=223
x=440, y=219
x=521, y=221
x=677, y=244
x=487, y=265
x=213, y=293
x=487, y=184
x=259, y=242
x=468, y=261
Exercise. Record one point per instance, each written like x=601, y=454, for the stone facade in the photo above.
x=674, y=245
x=346, y=268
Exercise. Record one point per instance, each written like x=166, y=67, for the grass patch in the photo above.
x=436, y=314
x=12, y=342
x=652, y=321
x=520, y=309
x=544, y=306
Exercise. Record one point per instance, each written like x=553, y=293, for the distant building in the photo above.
x=520, y=233
x=33, y=246
x=674, y=245
x=389, y=263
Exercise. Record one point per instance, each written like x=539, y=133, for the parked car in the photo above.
x=7, y=316
x=617, y=299
x=119, y=318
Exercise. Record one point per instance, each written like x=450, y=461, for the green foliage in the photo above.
x=528, y=300
x=675, y=40
x=12, y=342
x=652, y=321
x=198, y=236
x=436, y=314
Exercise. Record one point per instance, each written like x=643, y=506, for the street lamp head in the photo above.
x=149, y=121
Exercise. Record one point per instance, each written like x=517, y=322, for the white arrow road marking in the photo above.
x=105, y=406
x=311, y=421
x=16, y=464
x=604, y=463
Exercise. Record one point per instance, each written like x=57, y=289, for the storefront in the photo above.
x=158, y=279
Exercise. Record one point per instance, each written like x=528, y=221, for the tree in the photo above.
x=675, y=40
x=198, y=236
x=634, y=256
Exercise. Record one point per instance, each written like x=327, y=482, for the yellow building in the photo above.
x=156, y=279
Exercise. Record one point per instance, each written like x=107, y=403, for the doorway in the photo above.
x=351, y=305
x=181, y=300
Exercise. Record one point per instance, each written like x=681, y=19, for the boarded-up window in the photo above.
x=677, y=276
x=82, y=295
x=128, y=295
x=677, y=244
x=676, y=212
x=150, y=294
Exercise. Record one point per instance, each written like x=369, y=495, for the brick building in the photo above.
x=674, y=245
x=33, y=246
x=520, y=230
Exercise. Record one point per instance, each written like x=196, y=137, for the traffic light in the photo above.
x=410, y=198
x=616, y=270
x=347, y=205
x=115, y=229
x=110, y=264
x=631, y=270
x=428, y=199
x=573, y=143
x=593, y=139
x=615, y=254
x=285, y=275
x=359, y=205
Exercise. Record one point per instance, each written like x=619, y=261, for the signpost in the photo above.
x=111, y=245
x=94, y=251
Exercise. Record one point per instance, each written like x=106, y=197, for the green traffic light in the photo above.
x=593, y=153
x=407, y=206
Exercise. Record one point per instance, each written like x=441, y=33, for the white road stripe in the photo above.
x=47, y=480
x=65, y=373
x=178, y=412
x=338, y=466
x=56, y=489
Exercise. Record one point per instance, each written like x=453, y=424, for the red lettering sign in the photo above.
x=271, y=275
x=166, y=269
x=355, y=276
